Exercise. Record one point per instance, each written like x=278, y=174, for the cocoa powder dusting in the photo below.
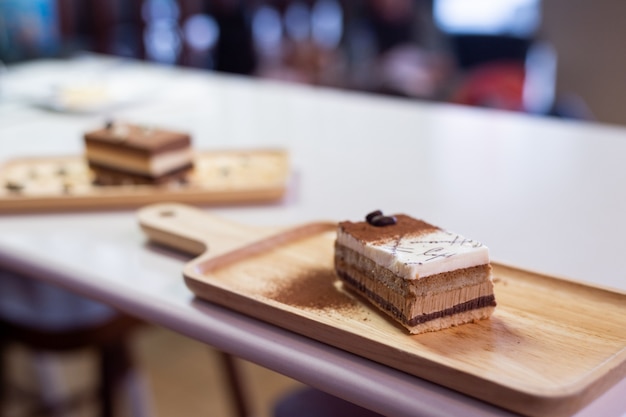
x=405, y=225
x=314, y=290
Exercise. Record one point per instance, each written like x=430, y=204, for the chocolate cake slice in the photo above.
x=424, y=277
x=123, y=153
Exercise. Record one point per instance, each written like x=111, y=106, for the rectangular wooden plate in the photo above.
x=219, y=177
x=551, y=347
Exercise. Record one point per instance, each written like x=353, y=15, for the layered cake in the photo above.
x=122, y=153
x=424, y=277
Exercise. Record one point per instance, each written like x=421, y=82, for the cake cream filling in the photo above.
x=410, y=314
x=418, y=256
x=412, y=298
x=154, y=165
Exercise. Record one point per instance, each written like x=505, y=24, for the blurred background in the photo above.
x=549, y=58
x=545, y=57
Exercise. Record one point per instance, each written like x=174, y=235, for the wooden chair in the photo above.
x=44, y=318
x=86, y=325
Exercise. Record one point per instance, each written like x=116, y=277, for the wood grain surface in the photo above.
x=551, y=347
x=219, y=177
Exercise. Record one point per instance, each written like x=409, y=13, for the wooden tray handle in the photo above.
x=195, y=231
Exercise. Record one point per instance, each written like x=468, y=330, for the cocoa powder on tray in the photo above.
x=313, y=289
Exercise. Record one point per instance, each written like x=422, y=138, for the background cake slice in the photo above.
x=424, y=277
x=123, y=153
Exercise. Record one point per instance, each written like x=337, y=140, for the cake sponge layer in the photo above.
x=135, y=163
x=423, y=305
x=122, y=152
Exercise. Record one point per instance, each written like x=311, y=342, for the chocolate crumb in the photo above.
x=14, y=186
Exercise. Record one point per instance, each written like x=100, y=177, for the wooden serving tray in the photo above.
x=219, y=177
x=551, y=347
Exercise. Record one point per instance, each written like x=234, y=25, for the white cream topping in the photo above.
x=414, y=257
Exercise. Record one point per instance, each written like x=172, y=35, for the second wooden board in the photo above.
x=218, y=177
x=551, y=347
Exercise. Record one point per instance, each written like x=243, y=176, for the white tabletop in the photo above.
x=543, y=194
